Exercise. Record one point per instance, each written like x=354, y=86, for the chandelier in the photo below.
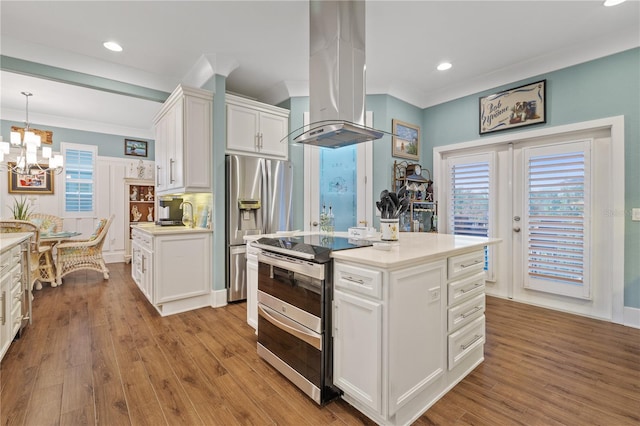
x=27, y=160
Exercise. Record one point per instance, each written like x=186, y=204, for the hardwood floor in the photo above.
x=98, y=353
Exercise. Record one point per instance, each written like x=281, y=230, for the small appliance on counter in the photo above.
x=170, y=212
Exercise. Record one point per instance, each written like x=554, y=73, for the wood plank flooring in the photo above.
x=98, y=353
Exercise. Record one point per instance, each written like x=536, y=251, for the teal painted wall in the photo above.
x=217, y=85
x=108, y=145
x=605, y=87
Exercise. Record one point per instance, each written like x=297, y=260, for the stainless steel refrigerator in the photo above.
x=258, y=201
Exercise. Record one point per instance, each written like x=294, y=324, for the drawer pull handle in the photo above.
x=354, y=280
x=475, y=262
x=475, y=339
x=471, y=312
x=466, y=290
x=3, y=300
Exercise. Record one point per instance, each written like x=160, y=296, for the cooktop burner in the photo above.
x=310, y=247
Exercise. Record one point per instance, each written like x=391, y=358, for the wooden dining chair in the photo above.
x=37, y=251
x=75, y=255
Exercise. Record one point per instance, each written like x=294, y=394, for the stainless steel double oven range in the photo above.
x=295, y=293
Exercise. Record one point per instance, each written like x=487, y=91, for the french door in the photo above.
x=556, y=206
x=549, y=201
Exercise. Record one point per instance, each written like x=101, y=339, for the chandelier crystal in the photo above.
x=27, y=158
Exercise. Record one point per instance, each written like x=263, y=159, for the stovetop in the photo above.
x=310, y=247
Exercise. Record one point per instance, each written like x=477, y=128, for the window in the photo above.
x=557, y=219
x=80, y=178
x=472, y=199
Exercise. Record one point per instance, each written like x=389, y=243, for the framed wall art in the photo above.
x=406, y=140
x=521, y=106
x=135, y=148
x=46, y=136
x=36, y=181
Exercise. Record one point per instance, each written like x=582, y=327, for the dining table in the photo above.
x=47, y=265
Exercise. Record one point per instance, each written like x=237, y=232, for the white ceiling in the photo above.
x=263, y=48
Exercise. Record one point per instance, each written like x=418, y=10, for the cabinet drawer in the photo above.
x=15, y=253
x=465, y=340
x=143, y=239
x=465, y=264
x=466, y=312
x=465, y=288
x=16, y=274
x=10, y=258
x=358, y=280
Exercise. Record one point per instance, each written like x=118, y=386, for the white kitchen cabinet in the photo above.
x=142, y=263
x=172, y=267
x=14, y=277
x=139, y=207
x=254, y=128
x=5, y=307
x=184, y=136
x=357, y=350
x=252, y=286
x=465, y=312
x=389, y=335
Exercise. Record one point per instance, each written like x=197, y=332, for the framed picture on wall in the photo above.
x=521, y=106
x=35, y=181
x=135, y=148
x=46, y=136
x=406, y=140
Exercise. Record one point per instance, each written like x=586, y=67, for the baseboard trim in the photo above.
x=219, y=298
x=631, y=317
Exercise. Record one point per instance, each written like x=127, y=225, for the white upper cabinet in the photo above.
x=254, y=128
x=184, y=135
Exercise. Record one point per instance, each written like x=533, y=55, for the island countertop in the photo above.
x=154, y=229
x=11, y=239
x=412, y=248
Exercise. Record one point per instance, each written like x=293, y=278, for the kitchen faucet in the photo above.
x=185, y=217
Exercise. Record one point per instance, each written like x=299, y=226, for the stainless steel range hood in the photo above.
x=337, y=75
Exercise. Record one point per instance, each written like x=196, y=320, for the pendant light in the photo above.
x=30, y=155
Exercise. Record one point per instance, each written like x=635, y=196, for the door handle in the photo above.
x=516, y=229
x=314, y=223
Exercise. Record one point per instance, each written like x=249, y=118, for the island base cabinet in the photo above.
x=173, y=271
x=184, y=267
x=357, y=355
x=392, y=344
x=417, y=330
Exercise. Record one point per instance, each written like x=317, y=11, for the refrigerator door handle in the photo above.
x=266, y=196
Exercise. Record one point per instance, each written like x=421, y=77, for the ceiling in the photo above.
x=262, y=48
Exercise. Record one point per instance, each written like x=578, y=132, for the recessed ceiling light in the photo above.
x=612, y=2
x=112, y=45
x=444, y=66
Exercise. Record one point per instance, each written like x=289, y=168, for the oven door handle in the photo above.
x=290, y=327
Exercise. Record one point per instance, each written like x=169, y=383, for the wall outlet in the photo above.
x=434, y=294
x=635, y=214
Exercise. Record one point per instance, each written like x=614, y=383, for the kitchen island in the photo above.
x=407, y=322
x=172, y=266
x=15, y=291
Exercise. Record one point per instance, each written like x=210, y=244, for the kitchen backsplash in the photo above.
x=202, y=206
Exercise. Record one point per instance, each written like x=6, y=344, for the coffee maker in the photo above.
x=170, y=212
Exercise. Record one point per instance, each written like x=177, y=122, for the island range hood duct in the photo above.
x=337, y=75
